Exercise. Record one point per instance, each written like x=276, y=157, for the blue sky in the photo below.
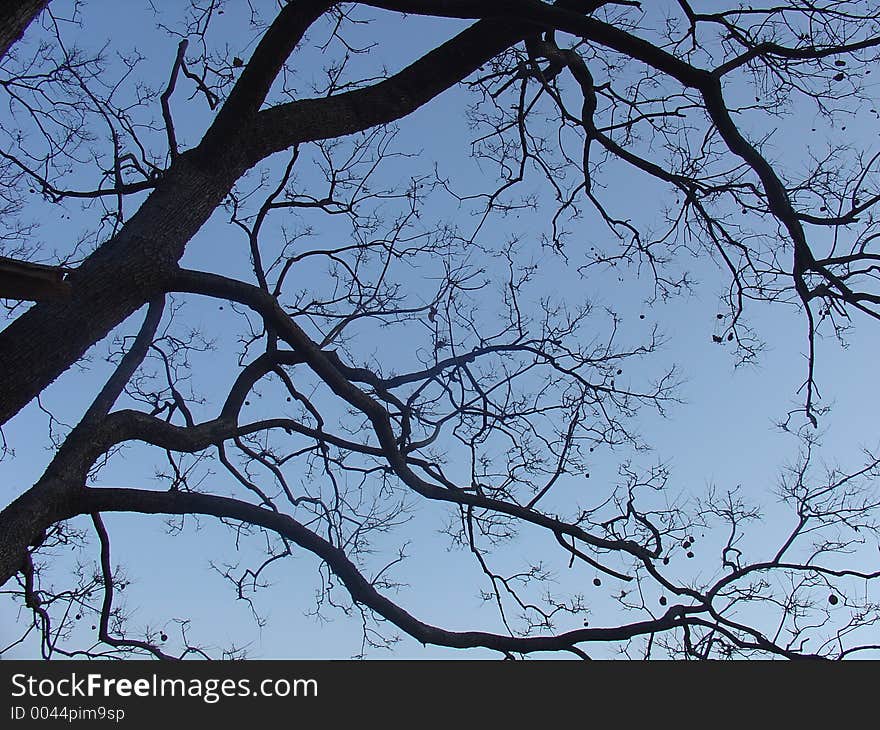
x=721, y=435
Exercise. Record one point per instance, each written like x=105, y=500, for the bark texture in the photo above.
x=15, y=17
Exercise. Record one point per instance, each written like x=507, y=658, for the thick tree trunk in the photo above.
x=25, y=520
x=125, y=272
x=114, y=281
x=15, y=17
x=129, y=270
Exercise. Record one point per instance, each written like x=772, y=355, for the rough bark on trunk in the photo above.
x=15, y=17
x=132, y=268
x=114, y=281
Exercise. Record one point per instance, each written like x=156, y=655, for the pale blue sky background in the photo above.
x=722, y=435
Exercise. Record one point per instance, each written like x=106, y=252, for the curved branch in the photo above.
x=361, y=590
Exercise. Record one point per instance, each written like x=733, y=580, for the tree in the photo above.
x=400, y=344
